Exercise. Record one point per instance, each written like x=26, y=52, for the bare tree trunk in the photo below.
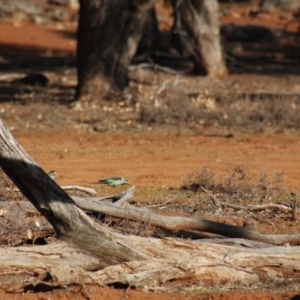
x=200, y=20
x=108, y=35
x=150, y=40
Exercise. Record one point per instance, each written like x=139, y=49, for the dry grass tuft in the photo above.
x=13, y=223
x=238, y=183
x=218, y=114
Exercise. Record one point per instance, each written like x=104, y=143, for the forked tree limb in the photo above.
x=109, y=206
x=174, y=223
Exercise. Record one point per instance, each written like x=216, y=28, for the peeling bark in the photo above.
x=59, y=265
x=200, y=20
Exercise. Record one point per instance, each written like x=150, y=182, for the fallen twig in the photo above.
x=160, y=204
x=79, y=188
x=67, y=187
x=279, y=207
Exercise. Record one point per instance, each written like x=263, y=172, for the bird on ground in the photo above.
x=52, y=174
x=113, y=181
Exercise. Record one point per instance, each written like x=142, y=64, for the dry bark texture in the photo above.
x=59, y=265
x=200, y=20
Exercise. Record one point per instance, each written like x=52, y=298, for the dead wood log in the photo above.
x=59, y=265
x=173, y=224
x=87, y=252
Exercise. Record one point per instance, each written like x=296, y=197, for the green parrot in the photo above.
x=113, y=181
x=52, y=174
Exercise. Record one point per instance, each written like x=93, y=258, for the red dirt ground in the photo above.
x=92, y=292
x=147, y=160
x=157, y=160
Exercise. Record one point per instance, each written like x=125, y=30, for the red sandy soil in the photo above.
x=152, y=160
x=147, y=160
x=93, y=292
x=29, y=38
x=158, y=160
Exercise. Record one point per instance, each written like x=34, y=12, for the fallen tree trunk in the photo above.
x=87, y=252
x=59, y=265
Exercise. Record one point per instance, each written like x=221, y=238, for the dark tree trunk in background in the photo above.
x=150, y=40
x=108, y=34
x=197, y=27
x=110, y=31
